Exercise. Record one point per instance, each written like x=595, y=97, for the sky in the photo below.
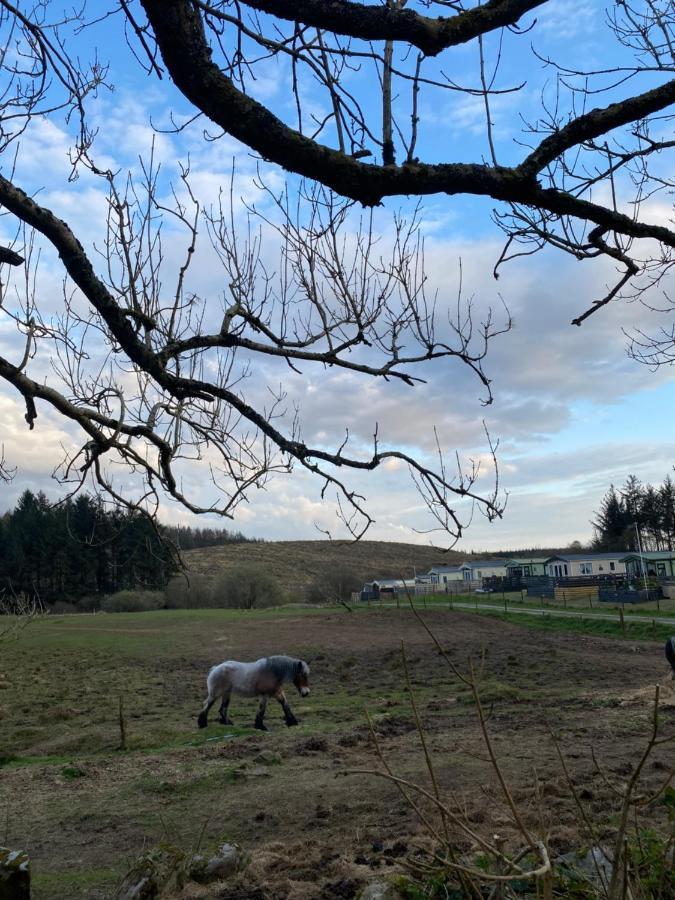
x=571, y=413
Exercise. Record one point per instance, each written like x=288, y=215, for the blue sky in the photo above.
x=571, y=411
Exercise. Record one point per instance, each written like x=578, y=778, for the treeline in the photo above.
x=77, y=549
x=186, y=538
x=632, y=508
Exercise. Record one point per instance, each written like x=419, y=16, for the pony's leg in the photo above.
x=203, y=717
x=288, y=715
x=216, y=686
x=223, y=717
x=259, y=724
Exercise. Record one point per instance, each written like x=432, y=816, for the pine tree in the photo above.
x=667, y=511
x=611, y=524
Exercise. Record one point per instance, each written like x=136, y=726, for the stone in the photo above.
x=267, y=758
x=380, y=890
x=144, y=889
x=594, y=866
x=14, y=874
x=228, y=860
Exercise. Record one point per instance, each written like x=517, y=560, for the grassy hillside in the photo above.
x=296, y=564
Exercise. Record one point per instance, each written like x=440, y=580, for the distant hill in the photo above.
x=297, y=564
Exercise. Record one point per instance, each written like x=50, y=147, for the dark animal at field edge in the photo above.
x=670, y=654
x=263, y=678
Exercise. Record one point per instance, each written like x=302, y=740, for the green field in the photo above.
x=85, y=809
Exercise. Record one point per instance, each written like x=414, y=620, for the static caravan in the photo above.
x=382, y=588
x=445, y=574
x=654, y=564
x=526, y=567
x=479, y=569
x=584, y=565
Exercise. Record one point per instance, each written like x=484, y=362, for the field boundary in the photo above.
x=513, y=609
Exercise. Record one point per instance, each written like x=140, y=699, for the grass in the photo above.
x=67, y=712
x=77, y=883
x=663, y=607
x=636, y=631
x=60, y=735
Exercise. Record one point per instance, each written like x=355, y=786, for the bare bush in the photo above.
x=247, y=588
x=133, y=601
x=190, y=592
x=16, y=612
x=333, y=585
x=63, y=608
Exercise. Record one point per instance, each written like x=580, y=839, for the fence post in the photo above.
x=590, y=601
x=398, y=601
x=564, y=601
x=658, y=604
x=122, y=724
x=621, y=619
x=504, y=598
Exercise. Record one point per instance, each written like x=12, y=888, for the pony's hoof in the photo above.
x=202, y=722
x=292, y=722
x=226, y=721
x=260, y=726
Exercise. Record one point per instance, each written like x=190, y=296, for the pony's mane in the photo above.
x=284, y=666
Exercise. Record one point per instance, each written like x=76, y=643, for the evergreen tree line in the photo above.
x=186, y=538
x=651, y=508
x=77, y=549
x=82, y=548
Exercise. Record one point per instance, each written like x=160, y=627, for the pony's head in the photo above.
x=301, y=677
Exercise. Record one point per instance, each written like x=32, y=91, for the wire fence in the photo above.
x=568, y=602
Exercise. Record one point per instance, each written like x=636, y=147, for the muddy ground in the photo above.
x=84, y=809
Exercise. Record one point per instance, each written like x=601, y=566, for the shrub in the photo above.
x=90, y=603
x=133, y=601
x=333, y=585
x=247, y=588
x=195, y=592
x=62, y=607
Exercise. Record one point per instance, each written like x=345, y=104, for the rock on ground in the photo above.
x=380, y=890
x=14, y=875
x=224, y=863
